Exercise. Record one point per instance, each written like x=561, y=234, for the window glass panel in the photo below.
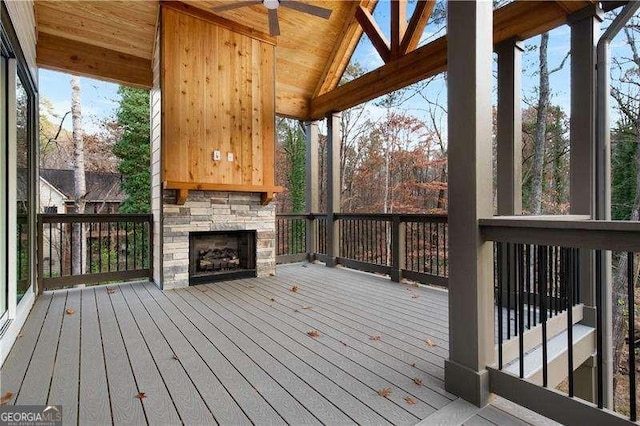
x=22, y=188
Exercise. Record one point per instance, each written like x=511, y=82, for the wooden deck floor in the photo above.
x=240, y=352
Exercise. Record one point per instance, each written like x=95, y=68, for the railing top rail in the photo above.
x=293, y=215
x=404, y=217
x=564, y=231
x=94, y=217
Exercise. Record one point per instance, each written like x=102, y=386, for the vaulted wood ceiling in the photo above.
x=114, y=40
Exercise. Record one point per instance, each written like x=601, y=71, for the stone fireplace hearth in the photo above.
x=213, y=211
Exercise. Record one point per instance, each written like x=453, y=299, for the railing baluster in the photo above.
x=599, y=330
x=542, y=269
x=569, y=307
x=520, y=295
x=632, y=335
x=499, y=256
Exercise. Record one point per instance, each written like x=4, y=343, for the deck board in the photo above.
x=225, y=353
x=36, y=383
x=94, y=406
x=17, y=362
x=122, y=384
x=66, y=373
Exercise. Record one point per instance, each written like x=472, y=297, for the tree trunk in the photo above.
x=541, y=129
x=79, y=241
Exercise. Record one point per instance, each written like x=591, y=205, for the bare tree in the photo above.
x=78, y=256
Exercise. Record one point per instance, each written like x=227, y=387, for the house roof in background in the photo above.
x=103, y=187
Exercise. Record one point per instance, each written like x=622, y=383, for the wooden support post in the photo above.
x=333, y=187
x=471, y=308
x=509, y=128
x=397, y=248
x=398, y=26
x=312, y=202
x=585, y=30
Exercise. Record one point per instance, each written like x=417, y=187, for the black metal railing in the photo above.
x=408, y=246
x=546, y=327
x=93, y=248
x=291, y=234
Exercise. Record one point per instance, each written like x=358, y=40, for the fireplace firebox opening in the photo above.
x=221, y=255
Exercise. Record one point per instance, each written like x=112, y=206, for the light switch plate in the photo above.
x=216, y=155
x=230, y=156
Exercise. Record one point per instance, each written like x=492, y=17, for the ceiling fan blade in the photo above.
x=235, y=5
x=274, y=25
x=307, y=8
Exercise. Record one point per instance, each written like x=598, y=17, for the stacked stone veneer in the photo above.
x=214, y=211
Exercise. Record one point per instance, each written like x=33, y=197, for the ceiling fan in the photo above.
x=272, y=7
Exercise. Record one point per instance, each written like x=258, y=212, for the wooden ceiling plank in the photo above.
x=61, y=54
x=343, y=49
x=372, y=30
x=431, y=59
x=398, y=26
x=419, y=19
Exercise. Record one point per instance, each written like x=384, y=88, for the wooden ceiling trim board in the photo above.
x=133, y=41
x=220, y=21
x=417, y=23
x=371, y=28
x=343, y=49
x=398, y=26
x=67, y=55
x=535, y=17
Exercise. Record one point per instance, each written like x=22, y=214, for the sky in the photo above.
x=99, y=99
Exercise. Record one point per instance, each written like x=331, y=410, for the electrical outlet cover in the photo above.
x=216, y=155
x=230, y=156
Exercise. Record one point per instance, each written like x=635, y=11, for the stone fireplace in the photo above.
x=223, y=216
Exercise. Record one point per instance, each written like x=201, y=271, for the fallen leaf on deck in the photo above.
x=374, y=338
x=271, y=274
x=313, y=333
x=416, y=285
x=272, y=299
x=5, y=398
x=413, y=364
x=410, y=400
x=415, y=296
x=141, y=395
x=175, y=357
x=70, y=312
x=20, y=335
x=111, y=290
x=384, y=392
x=294, y=289
x=295, y=310
x=251, y=286
x=430, y=343
x=417, y=381
x=306, y=307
